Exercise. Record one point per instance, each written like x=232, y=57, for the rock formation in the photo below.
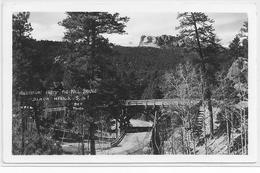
x=238, y=72
x=164, y=41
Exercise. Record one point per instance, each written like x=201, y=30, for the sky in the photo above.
x=227, y=25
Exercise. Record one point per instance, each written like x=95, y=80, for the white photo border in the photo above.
x=119, y=6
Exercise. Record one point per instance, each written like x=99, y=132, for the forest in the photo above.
x=199, y=68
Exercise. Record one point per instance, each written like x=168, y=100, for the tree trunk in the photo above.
x=92, y=138
x=205, y=86
x=242, y=131
x=172, y=138
x=228, y=131
x=116, y=128
x=82, y=140
x=245, y=131
x=172, y=144
x=101, y=141
x=194, y=144
x=155, y=141
x=231, y=129
x=210, y=118
x=155, y=137
x=37, y=121
x=205, y=138
x=183, y=141
x=23, y=135
x=188, y=141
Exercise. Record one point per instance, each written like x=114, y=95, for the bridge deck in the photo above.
x=148, y=102
x=160, y=102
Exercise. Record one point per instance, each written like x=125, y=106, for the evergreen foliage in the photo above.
x=85, y=59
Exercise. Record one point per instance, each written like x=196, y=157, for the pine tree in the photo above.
x=243, y=35
x=88, y=64
x=235, y=49
x=21, y=63
x=198, y=32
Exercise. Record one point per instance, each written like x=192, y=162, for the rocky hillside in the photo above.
x=164, y=41
x=238, y=69
x=219, y=144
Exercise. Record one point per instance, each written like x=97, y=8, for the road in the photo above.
x=133, y=143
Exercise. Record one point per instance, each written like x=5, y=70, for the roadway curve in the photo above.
x=133, y=143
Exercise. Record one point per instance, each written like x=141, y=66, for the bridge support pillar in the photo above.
x=155, y=137
x=92, y=140
x=117, y=129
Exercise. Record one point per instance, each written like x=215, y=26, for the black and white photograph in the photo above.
x=129, y=83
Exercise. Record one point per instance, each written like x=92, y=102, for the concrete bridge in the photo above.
x=126, y=117
x=160, y=102
x=147, y=102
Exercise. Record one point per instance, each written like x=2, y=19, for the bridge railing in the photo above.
x=160, y=102
x=119, y=139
